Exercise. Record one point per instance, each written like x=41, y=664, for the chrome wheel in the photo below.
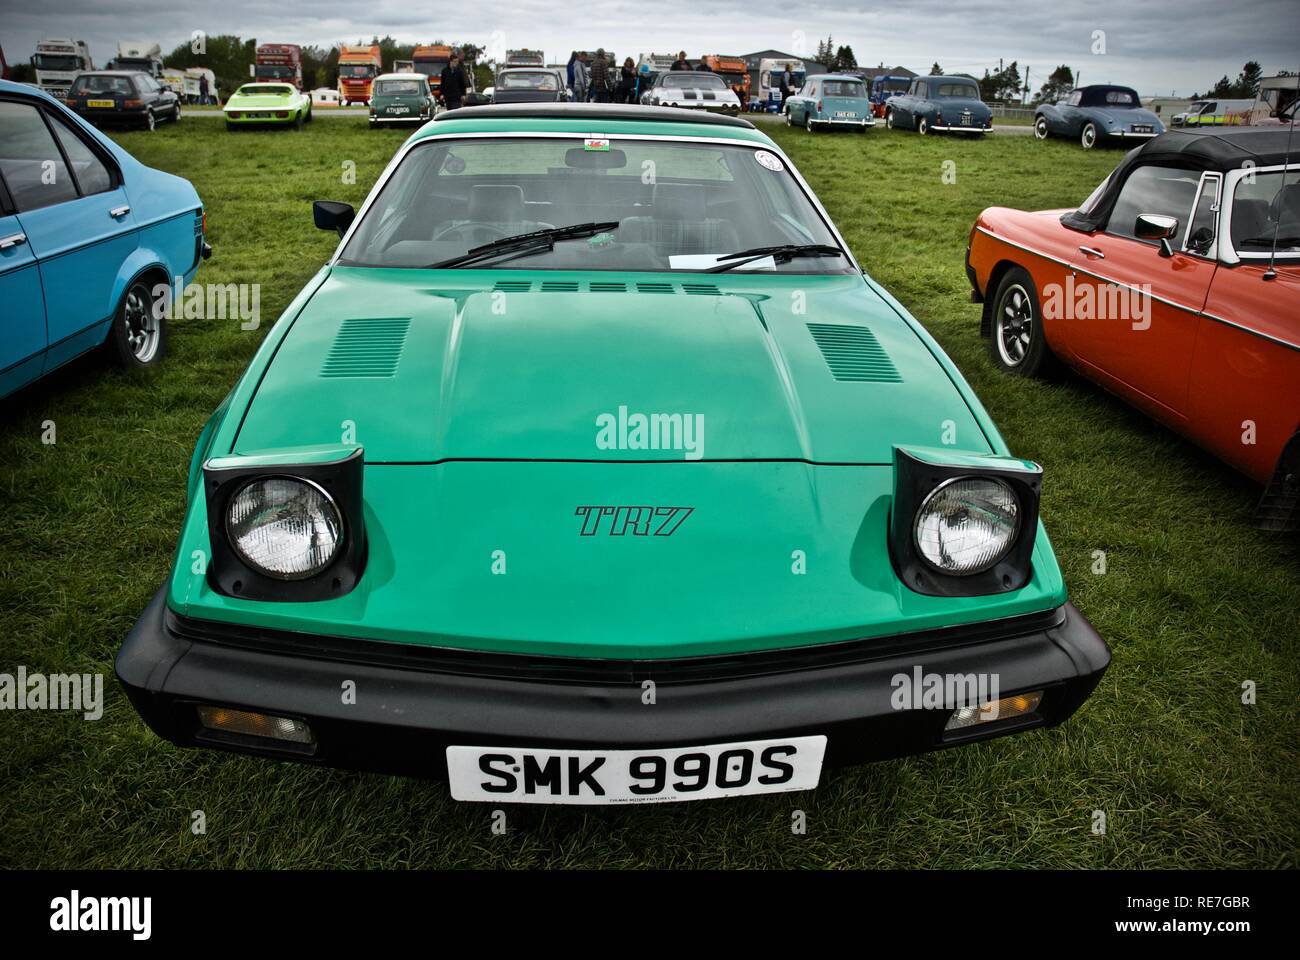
x=1089, y=136
x=1014, y=325
x=1040, y=128
x=140, y=325
x=889, y=119
x=149, y=120
x=807, y=122
x=922, y=126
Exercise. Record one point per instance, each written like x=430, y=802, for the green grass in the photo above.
x=1194, y=602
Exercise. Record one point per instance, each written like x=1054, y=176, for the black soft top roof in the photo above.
x=1223, y=148
x=591, y=111
x=1219, y=150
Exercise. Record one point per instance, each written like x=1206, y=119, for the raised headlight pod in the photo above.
x=967, y=524
x=963, y=525
x=286, y=525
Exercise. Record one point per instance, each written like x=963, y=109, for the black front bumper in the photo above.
x=411, y=703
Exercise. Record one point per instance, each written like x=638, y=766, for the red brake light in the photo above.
x=282, y=114
x=132, y=104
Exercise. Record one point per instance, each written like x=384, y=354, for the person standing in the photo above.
x=453, y=83
x=203, y=89
x=573, y=57
x=786, y=80
x=627, y=82
x=581, y=79
x=600, y=77
x=680, y=63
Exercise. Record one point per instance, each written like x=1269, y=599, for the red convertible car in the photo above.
x=1175, y=286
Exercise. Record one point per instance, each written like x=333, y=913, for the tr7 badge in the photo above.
x=638, y=521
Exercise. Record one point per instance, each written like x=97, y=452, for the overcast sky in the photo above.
x=1158, y=46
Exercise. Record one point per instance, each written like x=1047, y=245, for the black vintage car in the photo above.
x=123, y=97
x=529, y=85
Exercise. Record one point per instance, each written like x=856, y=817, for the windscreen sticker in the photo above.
x=595, y=143
x=769, y=160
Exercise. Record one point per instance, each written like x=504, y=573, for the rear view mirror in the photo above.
x=1154, y=226
x=333, y=215
x=585, y=159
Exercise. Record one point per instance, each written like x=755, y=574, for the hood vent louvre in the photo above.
x=367, y=347
x=702, y=289
x=854, y=353
x=560, y=286
x=607, y=286
x=514, y=286
x=654, y=288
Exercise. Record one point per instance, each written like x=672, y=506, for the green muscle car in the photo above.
x=256, y=104
x=592, y=468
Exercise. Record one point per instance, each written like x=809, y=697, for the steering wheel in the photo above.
x=471, y=233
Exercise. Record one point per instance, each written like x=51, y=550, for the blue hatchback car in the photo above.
x=88, y=235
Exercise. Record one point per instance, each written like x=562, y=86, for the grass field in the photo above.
x=1194, y=601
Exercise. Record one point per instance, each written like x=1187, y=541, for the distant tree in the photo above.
x=1058, y=85
x=1003, y=85
x=936, y=70
x=825, y=51
x=22, y=73
x=1248, y=81
x=844, y=58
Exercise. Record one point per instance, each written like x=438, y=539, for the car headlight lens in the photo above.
x=967, y=524
x=284, y=527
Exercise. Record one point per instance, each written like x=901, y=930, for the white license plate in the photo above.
x=844, y=113
x=589, y=777
x=1140, y=128
x=399, y=109
x=258, y=116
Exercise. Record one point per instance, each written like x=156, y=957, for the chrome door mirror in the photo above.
x=1155, y=226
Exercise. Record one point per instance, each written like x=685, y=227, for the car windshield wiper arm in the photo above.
x=544, y=239
x=781, y=253
x=1267, y=241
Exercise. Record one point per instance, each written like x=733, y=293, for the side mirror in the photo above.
x=1154, y=226
x=333, y=215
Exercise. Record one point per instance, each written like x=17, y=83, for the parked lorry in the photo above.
x=139, y=55
x=430, y=59
x=280, y=62
x=358, y=67
x=57, y=63
x=732, y=70
x=769, y=80
x=525, y=58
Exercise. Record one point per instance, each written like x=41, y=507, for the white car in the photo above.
x=693, y=89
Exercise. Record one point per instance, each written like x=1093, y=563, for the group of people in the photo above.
x=600, y=81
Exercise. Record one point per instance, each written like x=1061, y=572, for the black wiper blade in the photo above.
x=537, y=238
x=1283, y=241
x=781, y=253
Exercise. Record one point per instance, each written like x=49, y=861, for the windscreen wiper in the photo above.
x=526, y=242
x=781, y=253
x=1267, y=241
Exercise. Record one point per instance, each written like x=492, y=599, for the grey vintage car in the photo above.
x=940, y=104
x=1097, y=114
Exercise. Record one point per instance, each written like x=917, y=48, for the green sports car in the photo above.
x=592, y=468
x=276, y=104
